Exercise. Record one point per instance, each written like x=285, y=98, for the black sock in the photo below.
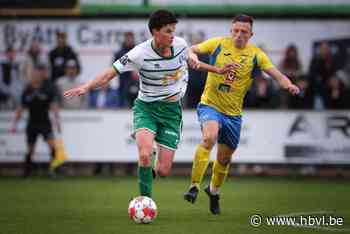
x=28, y=165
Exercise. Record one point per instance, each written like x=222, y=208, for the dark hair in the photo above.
x=161, y=18
x=243, y=18
x=291, y=62
x=60, y=34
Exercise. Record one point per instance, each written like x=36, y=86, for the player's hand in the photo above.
x=293, y=89
x=78, y=91
x=228, y=67
x=193, y=60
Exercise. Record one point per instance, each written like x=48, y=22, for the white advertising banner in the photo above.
x=96, y=40
x=266, y=137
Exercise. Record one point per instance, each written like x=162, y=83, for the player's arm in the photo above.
x=100, y=81
x=195, y=63
x=282, y=80
x=18, y=116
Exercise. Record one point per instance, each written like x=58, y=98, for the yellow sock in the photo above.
x=218, y=176
x=200, y=164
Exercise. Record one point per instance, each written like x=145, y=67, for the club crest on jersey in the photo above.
x=157, y=65
x=169, y=79
x=230, y=77
x=124, y=60
x=182, y=59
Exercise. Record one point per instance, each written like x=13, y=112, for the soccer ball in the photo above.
x=142, y=209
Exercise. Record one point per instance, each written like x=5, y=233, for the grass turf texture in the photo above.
x=99, y=205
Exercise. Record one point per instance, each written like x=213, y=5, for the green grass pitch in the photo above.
x=96, y=205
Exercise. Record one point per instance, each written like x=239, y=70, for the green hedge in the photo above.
x=342, y=10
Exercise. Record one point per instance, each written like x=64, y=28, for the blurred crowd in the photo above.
x=325, y=84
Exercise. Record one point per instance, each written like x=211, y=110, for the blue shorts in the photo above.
x=229, y=126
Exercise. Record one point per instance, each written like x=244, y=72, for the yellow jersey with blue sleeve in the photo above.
x=225, y=92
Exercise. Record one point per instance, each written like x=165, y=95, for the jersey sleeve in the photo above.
x=264, y=61
x=209, y=46
x=129, y=61
x=183, y=44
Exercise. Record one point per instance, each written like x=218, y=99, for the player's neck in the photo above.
x=164, y=51
x=239, y=46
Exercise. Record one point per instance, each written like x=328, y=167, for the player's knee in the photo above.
x=164, y=171
x=224, y=160
x=209, y=140
x=145, y=156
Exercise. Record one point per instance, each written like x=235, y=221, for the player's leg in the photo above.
x=228, y=140
x=210, y=129
x=145, y=128
x=31, y=137
x=153, y=157
x=168, y=136
x=47, y=133
x=144, y=142
x=219, y=173
x=165, y=160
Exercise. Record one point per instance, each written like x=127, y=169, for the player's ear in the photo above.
x=155, y=31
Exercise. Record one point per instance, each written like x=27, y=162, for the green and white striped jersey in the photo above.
x=160, y=77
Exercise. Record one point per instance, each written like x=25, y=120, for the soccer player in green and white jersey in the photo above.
x=162, y=65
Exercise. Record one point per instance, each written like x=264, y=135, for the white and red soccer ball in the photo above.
x=142, y=209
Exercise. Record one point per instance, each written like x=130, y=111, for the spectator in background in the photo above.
x=33, y=57
x=11, y=84
x=344, y=73
x=292, y=67
x=128, y=81
x=105, y=98
x=305, y=99
x=261, y=94
x=197, y=78
x=38, y=97
x=322, y=68
x=336, y=94
x=290, y=64
x=70, y=80
x=60, y=55
x=132, y=90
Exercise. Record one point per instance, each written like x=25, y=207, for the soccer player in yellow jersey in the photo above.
x=220, y=108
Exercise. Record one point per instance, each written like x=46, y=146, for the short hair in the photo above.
x=128, y=33
x=243, y=18
x=60, y=34
x=160, y=18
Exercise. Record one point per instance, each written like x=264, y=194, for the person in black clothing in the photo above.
x=10, y=81
x=198, y=78
x=196, y=84
x=38, y=97
x=336, y=94
x=129, y=82
x=306, y=97
x=59, y=57
x=322, y=68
